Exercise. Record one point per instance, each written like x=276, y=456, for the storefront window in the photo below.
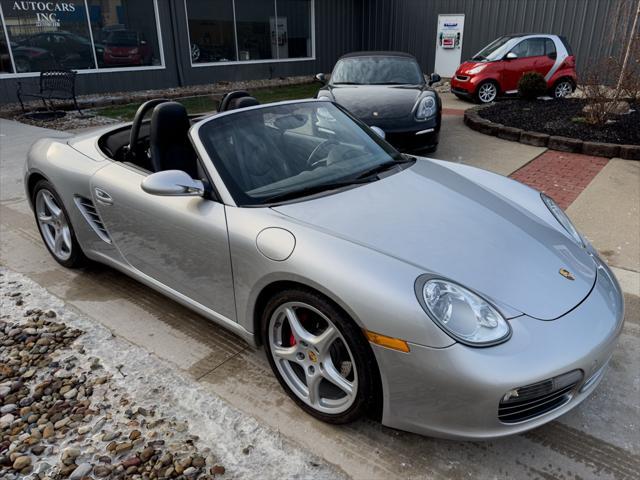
x=124, y=32
x=255, y=23
x=47, y=35
x=263, y=30
x=5, y=59
x=211, y=31
x=294, y=28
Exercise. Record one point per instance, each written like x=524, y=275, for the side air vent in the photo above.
x=531, y=401
x=89, y=212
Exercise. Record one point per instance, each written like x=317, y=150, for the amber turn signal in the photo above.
x=389, y=342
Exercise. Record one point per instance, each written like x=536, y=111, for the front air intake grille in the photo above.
x=462, y=78
x=531, y=401
x=91, y=215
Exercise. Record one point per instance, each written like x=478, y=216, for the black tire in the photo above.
x=366, y=401
x=77, y=258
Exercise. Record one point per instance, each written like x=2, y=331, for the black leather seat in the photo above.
x=171, y=148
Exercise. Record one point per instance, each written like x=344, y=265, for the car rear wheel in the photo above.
x=319, y=356
x=55, y=227
x=562, y=88
x=487, y=92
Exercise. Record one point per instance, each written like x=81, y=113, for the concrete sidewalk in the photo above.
x=598, y=439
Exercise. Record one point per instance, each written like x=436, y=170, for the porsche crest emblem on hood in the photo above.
x=566, y=274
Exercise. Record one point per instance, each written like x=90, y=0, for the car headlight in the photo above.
x=562, y=218
x=476, y=70
x=426, y=108
x=463, y=314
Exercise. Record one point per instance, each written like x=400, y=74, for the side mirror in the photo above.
x=320, y=78
x=434, y=78
x=379, y=132
x=511, y=56
x=172, y=183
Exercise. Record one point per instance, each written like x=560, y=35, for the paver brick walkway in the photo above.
x=562, y=176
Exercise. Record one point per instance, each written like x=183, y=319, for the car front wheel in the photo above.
x=487, y=92
x=319, y=356
x=55, y=227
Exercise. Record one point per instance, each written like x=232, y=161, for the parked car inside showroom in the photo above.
x=388, y=90
x=498, y=67
x=126, y=48
x=440, y=298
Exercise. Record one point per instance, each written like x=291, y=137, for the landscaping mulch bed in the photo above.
x=564, y=118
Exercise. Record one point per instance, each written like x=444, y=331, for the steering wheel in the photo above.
x=137, y=123
x=329, y=142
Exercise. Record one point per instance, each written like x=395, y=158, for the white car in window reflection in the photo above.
x=437, y=297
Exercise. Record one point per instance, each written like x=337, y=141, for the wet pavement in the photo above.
x=599, y=439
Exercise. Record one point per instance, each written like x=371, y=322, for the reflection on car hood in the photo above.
x=439, y=220
x=388, y=101
x=469, y=65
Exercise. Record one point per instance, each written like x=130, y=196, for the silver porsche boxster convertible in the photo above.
x=440, y=298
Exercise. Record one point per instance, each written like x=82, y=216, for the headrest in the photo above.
x=231, y=99
x=169, y=123
x=244, y=102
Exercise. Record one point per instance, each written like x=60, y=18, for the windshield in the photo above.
x=496, y=50
x=122, y=39
x=283, y=152
x=377, y=70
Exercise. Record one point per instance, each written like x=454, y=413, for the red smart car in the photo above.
x=497, y=68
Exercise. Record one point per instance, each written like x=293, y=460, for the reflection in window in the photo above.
x=256, y=27
x=294, y=28
x=211, y=31
x=5, y=58
x=263, y=30
x=46, y=35
x=124, y=32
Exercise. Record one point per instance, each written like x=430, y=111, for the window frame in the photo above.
x=312, y=24
x=162, y=66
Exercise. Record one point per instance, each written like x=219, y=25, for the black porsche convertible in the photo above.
x=388, y=90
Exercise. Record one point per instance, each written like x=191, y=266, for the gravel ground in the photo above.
x=554, y=117
x=78, y=402
x=71, y=121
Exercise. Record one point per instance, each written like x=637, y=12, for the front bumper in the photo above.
x=454, y=392
x=412, y=136
x=465, y=88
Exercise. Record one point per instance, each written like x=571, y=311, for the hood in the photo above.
x=122, y=50
x=389, y=101
x=444, y=223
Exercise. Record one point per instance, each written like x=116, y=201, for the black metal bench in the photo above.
x=54, y=85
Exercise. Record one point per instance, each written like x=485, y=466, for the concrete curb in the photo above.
x=474, y=121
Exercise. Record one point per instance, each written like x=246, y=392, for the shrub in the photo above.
x=532, y=85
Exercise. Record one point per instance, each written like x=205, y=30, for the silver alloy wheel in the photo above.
x=195, y=52
x=487, y=92
x=54, y=225
x=318, y=367
x=563, y=89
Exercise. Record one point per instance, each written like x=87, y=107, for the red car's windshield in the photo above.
x=496, y=50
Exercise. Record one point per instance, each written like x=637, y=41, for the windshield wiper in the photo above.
x=385, y=166
x=303, y=192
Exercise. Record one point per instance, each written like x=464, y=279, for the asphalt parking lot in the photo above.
x=599, y=439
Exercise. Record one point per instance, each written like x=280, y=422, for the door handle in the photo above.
x=103, y=197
